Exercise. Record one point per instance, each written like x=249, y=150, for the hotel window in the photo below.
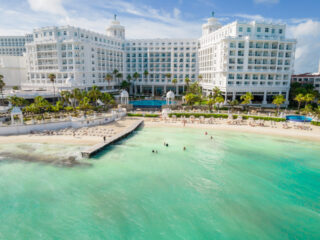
x=248, y=29
x=273, y=30
x=266, y=30
x=280, y=31
x=240, y=29
x=259, y=29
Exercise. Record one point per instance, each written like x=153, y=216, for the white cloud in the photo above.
x=307, y=34
x=267, y=1
x=49, y=6
x=176, y=12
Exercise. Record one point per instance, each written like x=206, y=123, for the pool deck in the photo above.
x=98, y=147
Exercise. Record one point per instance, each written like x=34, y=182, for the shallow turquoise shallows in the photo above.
x=236, y=186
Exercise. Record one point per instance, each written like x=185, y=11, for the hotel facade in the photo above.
x=237, y=58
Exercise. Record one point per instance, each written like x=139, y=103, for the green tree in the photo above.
x=84, y=105
x=246, y=99
x=191, y=99
x=129, y=77
x=187, y=81
x=309, y=97
x=18, y=101
x=216, y=92
x=76, y=96
x=125, y=85
x=299, y=98
x=233, y=103
x=145, y=74
x=94, y=94
x=107, y=99
x=174, y=82
x=52, y=78
x=65, y=97
x=219, y=99
x=278, y=101
x=210, y=103
x=2, y=85
x=200, y=77
x=136, y=76
x=15, y=88
x=119, y=76
x=108, y=78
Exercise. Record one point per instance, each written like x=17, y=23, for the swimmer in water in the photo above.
x=167, y=145
x=211, y=137
x=206, y=133
x=184, y=148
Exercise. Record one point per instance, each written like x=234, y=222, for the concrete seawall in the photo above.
x=98, y=147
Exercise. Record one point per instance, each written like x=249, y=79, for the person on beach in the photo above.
x=104, y=138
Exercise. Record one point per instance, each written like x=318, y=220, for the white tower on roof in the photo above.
x=211, y=26
x=115, y=29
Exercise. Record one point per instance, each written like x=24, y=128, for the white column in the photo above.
x=287, y=98
x=177, y=90
x=140, y=89
x=152, y=90
x=264, y=98
x=165, y=89
x=225, y=97
x=233, y=95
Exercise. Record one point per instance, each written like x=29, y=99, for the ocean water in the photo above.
x=236, y=186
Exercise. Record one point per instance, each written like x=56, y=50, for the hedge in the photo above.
x=315, y=123
x=142, y=115
x=215, y=115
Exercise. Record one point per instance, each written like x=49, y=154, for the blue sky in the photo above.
x=169, y=18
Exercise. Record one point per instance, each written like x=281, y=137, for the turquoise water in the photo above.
x=298, y=118
x=148, y=103
x=237, y=186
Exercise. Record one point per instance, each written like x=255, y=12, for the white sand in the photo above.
x=117, y=127
x=313, y=135
x=120, y=126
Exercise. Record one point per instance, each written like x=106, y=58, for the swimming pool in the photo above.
x=148, y=103
x=298, y=118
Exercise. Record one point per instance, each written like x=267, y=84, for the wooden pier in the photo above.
x=98, y=147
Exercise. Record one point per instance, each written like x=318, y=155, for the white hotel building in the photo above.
x=237, y=58
x=246, y=57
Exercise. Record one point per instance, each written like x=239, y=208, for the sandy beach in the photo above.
x=311, y=135
x=119, y=126
x=78, y=139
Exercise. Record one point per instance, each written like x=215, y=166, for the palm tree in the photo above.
x=145, y=74
x=129, y=77
x=94, y=94
x=309, y=97
x=168, y=75
x=219, y=99
x=278, y=101
x=65, y=96
x=174, y=82
x=246, y=99
x=52, y=78
x=210, y=103
x=76, y=96
x=109, y=78
x=299, y=98
x=233, y=103
x=118, y=76
x=84, y=105
x=136, y=76
x=200, y=77
x=2, y=84
x=115, y=71
x=216, y=92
